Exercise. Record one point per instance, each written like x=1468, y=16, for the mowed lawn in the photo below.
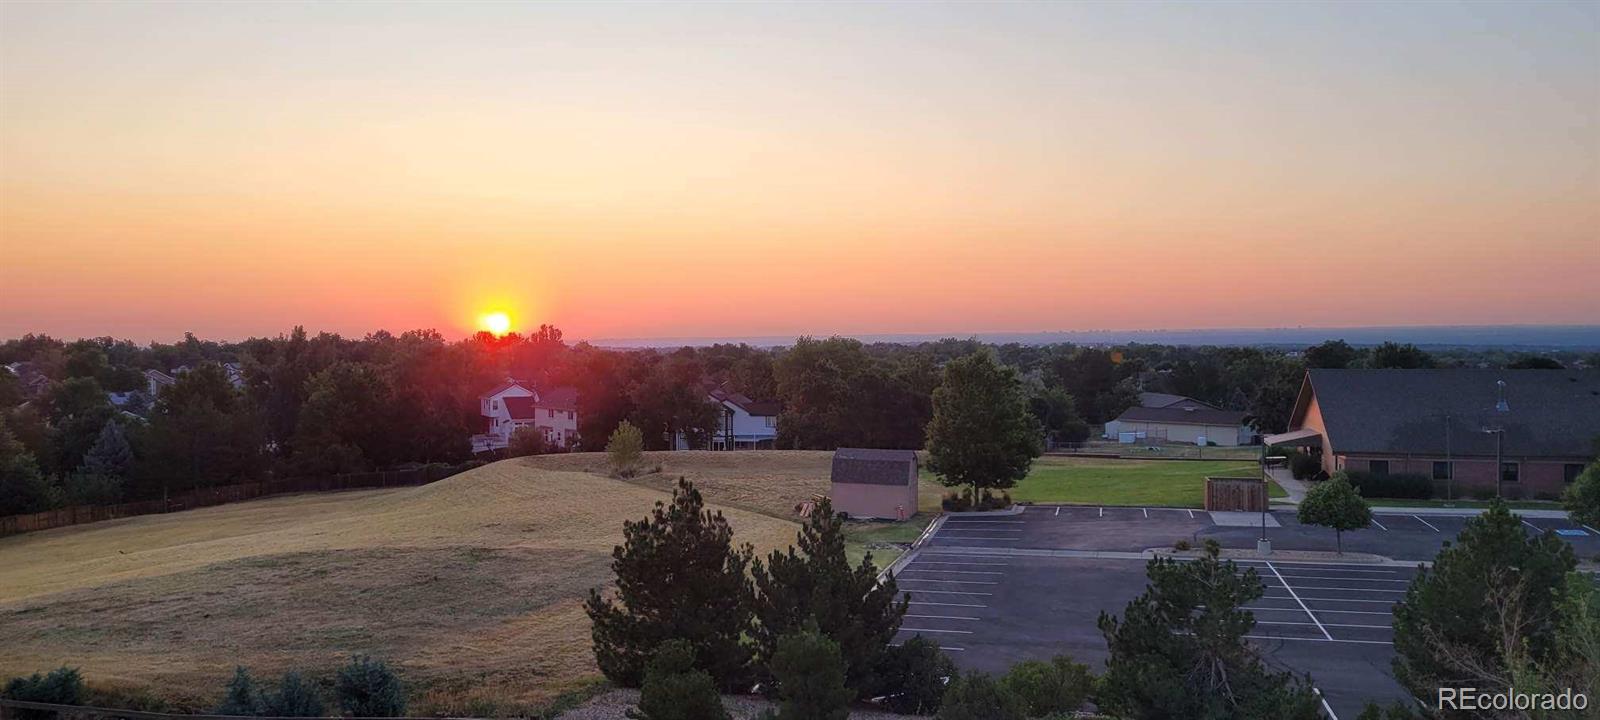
x=1151, y=483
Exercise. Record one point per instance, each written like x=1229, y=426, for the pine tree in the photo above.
x=809, y=671
x=817, y=583
x=110, y=456
x=674, y=690
x=294, y=698
x=242, y=697
x=368, y=688
x=1180, y=650
x=911, y=676
x=678, y=577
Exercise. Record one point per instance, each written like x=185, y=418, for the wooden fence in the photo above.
x=205, y=497
x=1236, y=494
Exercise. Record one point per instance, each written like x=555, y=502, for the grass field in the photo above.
x=472, y=585
x=1153, y=483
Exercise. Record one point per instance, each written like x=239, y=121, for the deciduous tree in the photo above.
x=982, y=435
x=1334, y=503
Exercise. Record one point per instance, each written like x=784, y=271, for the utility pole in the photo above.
x=1449, y=463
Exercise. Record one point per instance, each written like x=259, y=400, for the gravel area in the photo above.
x=614, y=705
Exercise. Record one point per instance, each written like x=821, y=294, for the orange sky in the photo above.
x=717, y=170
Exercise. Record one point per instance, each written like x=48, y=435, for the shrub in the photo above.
x=368, y=688
x=1395, y=485
x=295, y=698
x=976, y=696
x=809, y=671
x=962, y=501
x=241, y=697
x=1181, y=545
x=1058, y=686
x=526, y=441
x=61, y=686
x=1483, y=494
x=1303, y=466
x=911, y=677
x=625, y=449
x=674, y=690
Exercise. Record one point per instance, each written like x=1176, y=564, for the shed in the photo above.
x=870, y=483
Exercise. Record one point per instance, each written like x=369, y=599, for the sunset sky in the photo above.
x=628, y=170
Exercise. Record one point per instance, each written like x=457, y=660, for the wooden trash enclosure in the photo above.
x=1227, y=494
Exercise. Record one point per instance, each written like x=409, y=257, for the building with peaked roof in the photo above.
x=511, y=405
x=1160, y=417
x=745, y=424
x=870, y=483
x=1451, y=425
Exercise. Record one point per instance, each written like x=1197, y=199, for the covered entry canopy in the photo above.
x=1295, y=438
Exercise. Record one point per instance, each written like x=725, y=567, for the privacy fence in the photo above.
x=205, y=497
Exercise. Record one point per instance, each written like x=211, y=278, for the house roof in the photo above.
x=1183, y=416
x=743, y=402
x=864, y=466
x=1160, y=400
x=560, y=398
x=1549, y=413
x=522, y=408
x=527, y=407
x=502, y=387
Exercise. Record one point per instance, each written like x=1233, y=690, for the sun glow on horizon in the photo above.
x=496, y=323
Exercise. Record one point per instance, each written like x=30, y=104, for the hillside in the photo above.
x=471, y=584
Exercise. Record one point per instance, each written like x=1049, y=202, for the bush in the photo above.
x=809, y=671
x=295, y=698
x=368, y=688
x=674, y=690
x=1396, y=485
x=1483, y=494
x=962, y=501
x=1058, y=686
x=1303, y=466
x=911, y=677
x=625, y=449
x=61, y=686
x=976, y=696
x=241, y=697
x=526, y=441
x=1181, y=545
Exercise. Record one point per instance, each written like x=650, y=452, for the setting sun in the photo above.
x=497, y=323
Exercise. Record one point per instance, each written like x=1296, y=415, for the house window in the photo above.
x=1378, y=467
x=1508, y=472
x=1441, y=470
x=552, y=413
x=1571, y=471
x=494, y=404
x=569, y=414
x=772, y=421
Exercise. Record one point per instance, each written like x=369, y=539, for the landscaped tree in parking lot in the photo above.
x=1179, y=650
x=678, y=577
x=1582, y=499
x=1334, y=503
x=982, y=434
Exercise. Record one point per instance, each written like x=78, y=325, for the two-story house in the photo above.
x=552, y=412
x=745, y=424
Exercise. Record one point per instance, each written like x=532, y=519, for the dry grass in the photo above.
x=471, y=584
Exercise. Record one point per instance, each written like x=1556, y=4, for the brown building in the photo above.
x=1450, y=425
x=875, y=483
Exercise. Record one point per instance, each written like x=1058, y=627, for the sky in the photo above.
x=658, y=170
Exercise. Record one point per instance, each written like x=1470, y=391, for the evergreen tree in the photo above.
x=817, y=584
x=678, y=577
x=23, y=489
x=241, y=697
x=625, y=449
x=1179, y=650
x=61, y=686
x=982, y=434
x=911, y=676
x=1334, y=503
x=294, y=698
x=1488, y=604
x=368, y=688
x=674, y=690
x=976, y=696
x=810, y=671
x=110, y=456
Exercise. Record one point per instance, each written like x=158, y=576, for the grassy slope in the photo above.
x=472, y=584
x=1094, y=481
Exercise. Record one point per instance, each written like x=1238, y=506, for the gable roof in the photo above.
x=1161, y=400
x=502, y=387
x=560, y=398
x=521, y=408
x=528, y=407
x=743, y=402
x=1183, y=415
x=1550, y=413
x=865, y=466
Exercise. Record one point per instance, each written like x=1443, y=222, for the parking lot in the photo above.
x=996, y=589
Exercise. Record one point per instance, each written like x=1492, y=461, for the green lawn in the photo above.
x=864, y=537
x=1154, y=483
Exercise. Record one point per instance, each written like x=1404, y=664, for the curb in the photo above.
x=1015, y=509
x=911, y=553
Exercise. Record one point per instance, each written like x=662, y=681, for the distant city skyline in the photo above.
x=739, y=170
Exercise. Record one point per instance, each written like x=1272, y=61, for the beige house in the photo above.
x=875, y=483
x=1162, y=418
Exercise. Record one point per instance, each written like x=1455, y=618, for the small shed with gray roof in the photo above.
x=872, y=483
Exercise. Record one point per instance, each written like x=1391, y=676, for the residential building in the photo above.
x=1451, y=425
x=154, y=381
x=1164, y=418
x=869, y=483
x=745, y=424
x=511, y=405
x=31, y=381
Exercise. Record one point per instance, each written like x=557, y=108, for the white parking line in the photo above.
x=1102, y=512
x=1425, y=522
x=945, y=592
x=1324, y=587
x=1312, y=599
x=921, y=630
x=1324, y=612
x=953, y=582
x=986, y=537
x=942, y=617
x=1146, y=512
x=987, y=530
x=1191, y=514
x=942, y=562
x=1536, y=528
x=1379, y=524
x=1298, y=600
x=1315, y=639
x=1590, y=529
x=958, y=572
x=970, y=605
x=1335, y=577
x=984, y=522
x=1058, y=511
x=1267, y=622
x=946, y=648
